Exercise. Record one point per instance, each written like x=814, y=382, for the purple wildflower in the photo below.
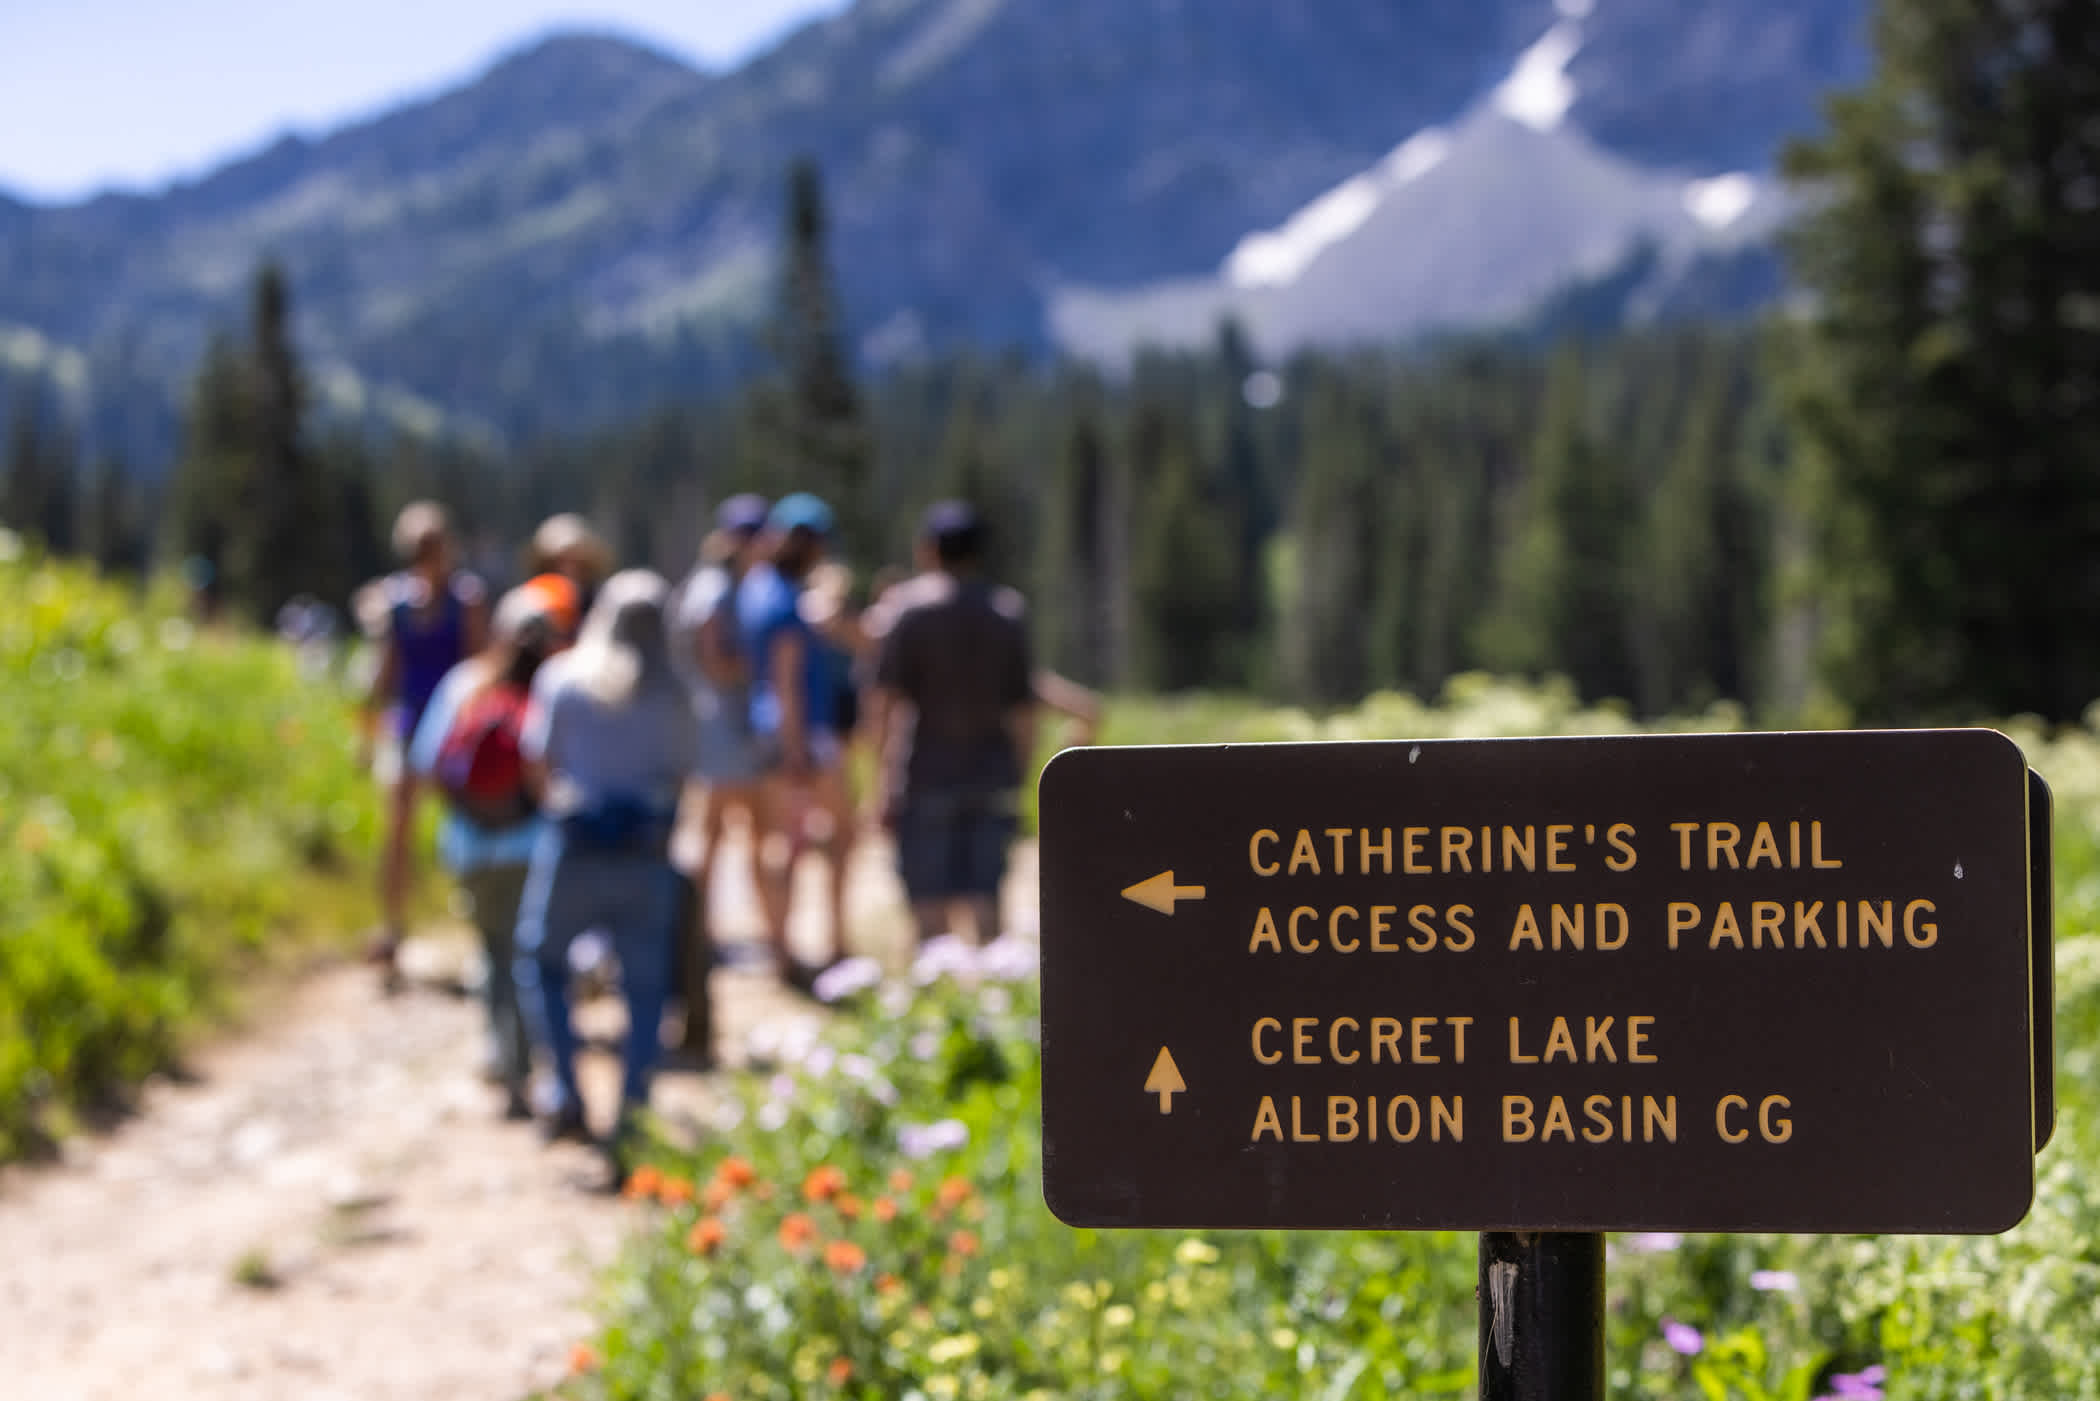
x=918, y=1141
x=1775, y=1281
x=1009, y=959
x=847, y=978
x=1683, y=1339
x=945, y=956
x=1859, y=1386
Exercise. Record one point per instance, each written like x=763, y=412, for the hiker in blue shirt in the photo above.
x=794, y=713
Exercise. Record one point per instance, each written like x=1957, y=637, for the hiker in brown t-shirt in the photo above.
x=954, y=725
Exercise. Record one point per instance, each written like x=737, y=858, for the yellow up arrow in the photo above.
x=1159, y=892
x=1165, y=1080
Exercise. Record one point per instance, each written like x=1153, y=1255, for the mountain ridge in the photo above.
x=587, y=226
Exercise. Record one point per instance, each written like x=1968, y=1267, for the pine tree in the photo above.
x=1182, y=555
x=1334, y=524
x=1243, y=491
x=1946, y=391
x=291, y=539
x=810, y=416
x=1565, y=600
x=25, y=490
x=1073, y=597
x=113, y=523
x=968, y=467
x=250, y=497
x=58, y=522
x=207, y=493
x=1701, y=596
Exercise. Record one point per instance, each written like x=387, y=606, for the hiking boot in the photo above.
x=623, y=1147
x=566, y=1125
x=801, y=977
x=383, y=952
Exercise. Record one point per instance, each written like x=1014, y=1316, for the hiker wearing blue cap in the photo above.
x=707, y=648
x=792, y=713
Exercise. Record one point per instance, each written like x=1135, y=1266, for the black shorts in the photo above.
x=953, y=845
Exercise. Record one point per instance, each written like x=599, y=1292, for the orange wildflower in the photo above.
x=717, y=1396
x=900, y=1181
x=823, y=1183
x=717, y=1195
x=736, y=1172
x=642, y=1183
x=675, y=1191
x=763, y=1191
x=707, y=1236
x=887, y=1283
x=963, y=1243
x=954, y=1192
x=840, y=1372
x=844, y=1257
x=582, y=1358
x=797, y=1231
x=885, y=1210
x=848, y=1206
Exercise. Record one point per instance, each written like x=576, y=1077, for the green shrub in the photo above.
x=172, y=802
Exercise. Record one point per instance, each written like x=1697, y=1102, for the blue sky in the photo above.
x=133, y=93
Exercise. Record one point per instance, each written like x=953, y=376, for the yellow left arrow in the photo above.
x=1165, y=1080
x=1159, y=892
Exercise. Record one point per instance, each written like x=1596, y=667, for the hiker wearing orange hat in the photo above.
x=557, y=599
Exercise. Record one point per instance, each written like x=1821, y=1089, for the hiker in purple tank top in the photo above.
x=436, y=617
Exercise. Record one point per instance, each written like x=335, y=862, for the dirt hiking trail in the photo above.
x=329, y=1205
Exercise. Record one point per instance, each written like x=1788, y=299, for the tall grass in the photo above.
x=175, y=805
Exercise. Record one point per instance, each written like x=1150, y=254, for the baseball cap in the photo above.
x=553, y=595
x=950, y=520
x=955, y=531
x=744, y=513
x=801, y=511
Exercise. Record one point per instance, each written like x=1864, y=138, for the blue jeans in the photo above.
x=632, y=896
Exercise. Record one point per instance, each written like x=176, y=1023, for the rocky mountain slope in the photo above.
x=588, y=226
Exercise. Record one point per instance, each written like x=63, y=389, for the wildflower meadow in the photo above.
x=175, y=804
x=866, y=1218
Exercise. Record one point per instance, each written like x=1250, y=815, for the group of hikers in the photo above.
x=574, y=726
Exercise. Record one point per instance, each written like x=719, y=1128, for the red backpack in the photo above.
x=480, y=768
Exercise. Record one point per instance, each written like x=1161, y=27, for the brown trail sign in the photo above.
x=1759, y=982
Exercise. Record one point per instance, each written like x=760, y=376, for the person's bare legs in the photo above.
x=776, y=812
x=931, y=917
x=984, y=916
x=395, y=874
x=835, y=797
x=722, y=799
x=694, y=955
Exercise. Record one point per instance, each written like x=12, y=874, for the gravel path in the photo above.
x=330, y=1206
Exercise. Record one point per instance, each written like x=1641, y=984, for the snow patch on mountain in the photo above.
x=1471, y=227
x=1538, y=91
x=1275, y=257
x=941, y=38
x=1720, y=201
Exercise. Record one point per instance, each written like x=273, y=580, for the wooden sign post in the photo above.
x=1543, y=989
